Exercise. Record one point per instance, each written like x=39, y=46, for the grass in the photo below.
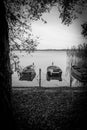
x=61, y=108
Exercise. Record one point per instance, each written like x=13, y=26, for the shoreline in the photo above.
x=53, y=89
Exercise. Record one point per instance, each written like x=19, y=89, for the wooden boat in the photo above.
x=79, y=73
x=28, y=73
x=54, y=73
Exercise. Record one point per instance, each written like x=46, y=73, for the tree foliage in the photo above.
x=84, y=29
x=20, y=14
x=20, y=32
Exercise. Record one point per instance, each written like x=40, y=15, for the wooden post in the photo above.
x=15, y=66
x=70, y=80
x=39, y=77
x=70, y=76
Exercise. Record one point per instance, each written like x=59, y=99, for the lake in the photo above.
x=43, y=59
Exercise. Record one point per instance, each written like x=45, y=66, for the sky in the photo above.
x=54, y=34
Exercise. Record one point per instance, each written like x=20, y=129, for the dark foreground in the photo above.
x=50, y=108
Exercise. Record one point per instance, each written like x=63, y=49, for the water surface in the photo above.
x=43, y=59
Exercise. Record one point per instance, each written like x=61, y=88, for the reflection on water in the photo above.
x=43, y=59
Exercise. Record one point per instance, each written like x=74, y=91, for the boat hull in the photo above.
x=27, y=74
x=79, y=73
x=54, y=73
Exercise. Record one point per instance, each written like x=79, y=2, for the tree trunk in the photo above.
x=5, y=76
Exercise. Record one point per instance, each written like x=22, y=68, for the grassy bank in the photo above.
x=61, y=108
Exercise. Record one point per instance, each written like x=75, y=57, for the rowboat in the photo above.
x=27, y=73
x=54, y=73
x=79, y=73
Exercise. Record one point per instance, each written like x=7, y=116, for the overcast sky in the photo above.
x=55, y=35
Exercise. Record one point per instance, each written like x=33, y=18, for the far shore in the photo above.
x=62, y=88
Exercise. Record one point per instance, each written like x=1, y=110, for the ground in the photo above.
x=60, y=108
